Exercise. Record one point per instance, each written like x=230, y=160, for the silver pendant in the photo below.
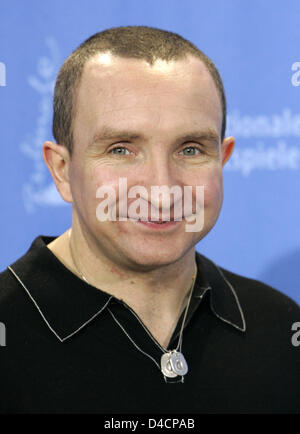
x=173, y=363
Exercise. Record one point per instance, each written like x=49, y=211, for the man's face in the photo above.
x=155, y=109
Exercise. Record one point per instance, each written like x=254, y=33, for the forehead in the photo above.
x=114, y=89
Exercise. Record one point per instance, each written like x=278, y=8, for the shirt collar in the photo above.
x=224, y=301
x=67, y=303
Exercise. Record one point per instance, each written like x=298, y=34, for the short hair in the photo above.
x=138, y=42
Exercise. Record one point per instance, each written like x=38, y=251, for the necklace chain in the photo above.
x=73, y=259
x=179, y=344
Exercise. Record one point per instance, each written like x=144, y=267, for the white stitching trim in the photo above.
x=145, y=328
x=143, y=352
x=204, y=291
x=132, y=341
x=43, y=316
x=236, y=299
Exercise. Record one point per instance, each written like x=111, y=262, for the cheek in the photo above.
x=110, y=191
x=85, y=183
x=101, y=178
x=91, y=178
x=213, y=188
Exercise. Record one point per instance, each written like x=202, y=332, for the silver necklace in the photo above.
x=172, y=362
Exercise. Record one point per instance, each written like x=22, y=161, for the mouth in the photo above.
x=158, y=225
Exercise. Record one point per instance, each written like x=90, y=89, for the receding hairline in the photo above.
x=213, y=136
x=89, y=61
x=128, y=42
x=106, y=56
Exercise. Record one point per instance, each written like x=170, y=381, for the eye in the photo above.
x=190, y=151
x=120, y=150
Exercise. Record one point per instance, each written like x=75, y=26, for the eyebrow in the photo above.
x=108, y=133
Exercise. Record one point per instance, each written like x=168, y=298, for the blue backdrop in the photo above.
x=254, y=44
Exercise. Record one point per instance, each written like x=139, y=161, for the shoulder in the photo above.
x=260, y=294
x=12, y=297
x=9, y=287
x=257, y=299
x=31, y=267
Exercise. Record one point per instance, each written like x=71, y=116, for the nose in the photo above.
x=161, y=179
x=160, y=171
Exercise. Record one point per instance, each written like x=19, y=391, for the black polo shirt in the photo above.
x=72, y=348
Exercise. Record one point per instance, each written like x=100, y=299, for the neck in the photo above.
x=158, y=296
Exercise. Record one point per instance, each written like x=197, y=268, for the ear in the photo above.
x=227, y=147
x=57, y=159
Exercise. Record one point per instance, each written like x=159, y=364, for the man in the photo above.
x=119, y=314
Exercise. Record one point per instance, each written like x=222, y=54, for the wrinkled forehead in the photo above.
x=106, y=69
x=115, y=86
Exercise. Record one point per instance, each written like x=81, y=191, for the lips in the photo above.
x=157, y=225
x=157, y=222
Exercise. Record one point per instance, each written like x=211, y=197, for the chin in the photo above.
x=151, y=259
x=148, y=264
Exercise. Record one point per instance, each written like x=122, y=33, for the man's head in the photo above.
x=131, y=42
x=155, y=121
